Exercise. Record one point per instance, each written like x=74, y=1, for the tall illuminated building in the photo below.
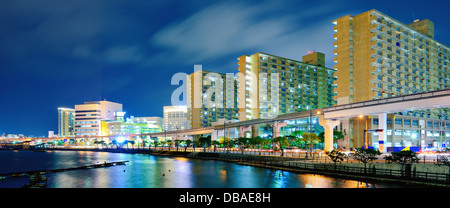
x=211, y=96
x=88, y=116
x=376, y=56
x=66, y=118
x=302, y=85
x=175, y=118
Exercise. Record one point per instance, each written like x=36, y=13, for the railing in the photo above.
x=295, y=160
x=361, y=171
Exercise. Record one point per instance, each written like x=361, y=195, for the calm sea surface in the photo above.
x=146, y=171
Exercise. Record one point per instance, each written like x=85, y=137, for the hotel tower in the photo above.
x=378, y=57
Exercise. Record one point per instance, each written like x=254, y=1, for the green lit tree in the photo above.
x=243, y=143
x=310, y=139
x=257, y=142
x=227, y=143
x=205, y=141
x=281, y=142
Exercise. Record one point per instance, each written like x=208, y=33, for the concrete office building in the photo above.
x=175, y=118
x=88, y=116
x=378, y=57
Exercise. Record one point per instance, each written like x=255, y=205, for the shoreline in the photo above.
x=277, y=163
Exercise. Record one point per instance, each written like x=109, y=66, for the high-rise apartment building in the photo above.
x=301, y=85
x=175, y=118
x=377, y=57
x=211, y=96
x=88, y=116
x=66, y=118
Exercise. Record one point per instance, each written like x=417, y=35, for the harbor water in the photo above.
x=148, y=171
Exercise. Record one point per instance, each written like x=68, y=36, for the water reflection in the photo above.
x=144, y=171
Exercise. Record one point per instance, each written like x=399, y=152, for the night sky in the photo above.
x=57, y=53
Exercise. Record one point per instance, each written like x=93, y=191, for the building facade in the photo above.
x=378, y=57
x=301, y=86
x=88, y=116
x=66, y=121
x=157, y=121
x=211, y=96
x=175, y=118
x=129, y=126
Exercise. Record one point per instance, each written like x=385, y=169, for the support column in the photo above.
x=382, y=124
x=276, y=126
x=328, y=134
x=243, y=129
x=255, y=130
x=328, y=126
x=214, y=136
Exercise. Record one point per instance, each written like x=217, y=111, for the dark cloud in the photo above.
x=61, y=53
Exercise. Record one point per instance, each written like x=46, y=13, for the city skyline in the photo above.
x=66, y=54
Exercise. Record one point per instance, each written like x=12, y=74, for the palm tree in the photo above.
x=129, y=142
x=177, y=143
x=155, y=142
x=99, y=143
x=188, y=143
x=169, y=143
x=114, y=142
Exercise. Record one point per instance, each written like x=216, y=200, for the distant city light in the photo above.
x=120, y=139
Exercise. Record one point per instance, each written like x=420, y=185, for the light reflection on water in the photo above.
x=146, y=171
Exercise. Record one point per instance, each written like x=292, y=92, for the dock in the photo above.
x=38, y=179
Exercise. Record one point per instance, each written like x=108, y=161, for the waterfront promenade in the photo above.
x=424, y=173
